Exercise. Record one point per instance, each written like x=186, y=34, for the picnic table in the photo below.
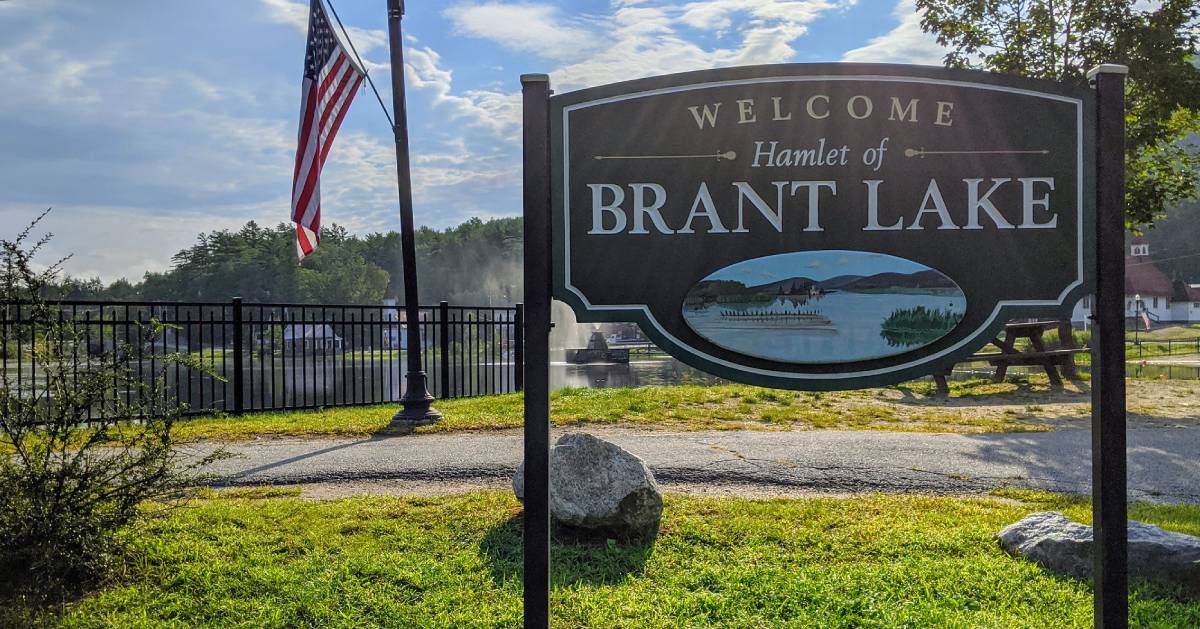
x=1061, y=358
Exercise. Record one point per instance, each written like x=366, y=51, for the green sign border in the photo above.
x=864, y=375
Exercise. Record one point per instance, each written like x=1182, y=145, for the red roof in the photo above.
x=1186, y=292
x=1142, y=277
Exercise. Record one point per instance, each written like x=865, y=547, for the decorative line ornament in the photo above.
x=921, y=152
x=727, y=155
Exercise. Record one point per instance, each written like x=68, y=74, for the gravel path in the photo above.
x=1164, y=463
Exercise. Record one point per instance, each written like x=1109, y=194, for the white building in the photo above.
x=1149, y=293
x=311, y=337
x=395, y=336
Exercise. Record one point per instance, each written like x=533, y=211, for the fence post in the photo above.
x=519, y=348
x=444, y=338
x=238, y=357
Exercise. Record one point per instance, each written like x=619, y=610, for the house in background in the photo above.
x=1150, y=296
x=1185, y=304
x=311, y=337
x=395, y=334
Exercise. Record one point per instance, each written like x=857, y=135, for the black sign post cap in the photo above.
x=1107, y=68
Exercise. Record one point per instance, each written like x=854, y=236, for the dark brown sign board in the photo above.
x=822, y=227
x=819, y=226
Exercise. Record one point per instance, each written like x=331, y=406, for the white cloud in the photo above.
x=138, y=158
x=536, y=28
x=124, y=233
x=906, y=43
x=640, y=38
x=46, y=73
x=144, y=156
x=295, y=14
x=644, y=38
x=494, y=110
x=717, y=14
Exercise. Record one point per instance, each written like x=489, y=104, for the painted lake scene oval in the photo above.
x=830, y=306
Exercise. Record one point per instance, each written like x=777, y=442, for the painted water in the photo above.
x=856, y=335
x=824, y=306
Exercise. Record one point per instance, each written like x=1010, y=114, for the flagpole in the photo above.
x=416, y=402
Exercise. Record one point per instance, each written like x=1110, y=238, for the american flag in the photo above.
x=331, y=78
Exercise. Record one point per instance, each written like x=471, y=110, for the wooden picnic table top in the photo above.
x=1032, y=325
x=1049, y=353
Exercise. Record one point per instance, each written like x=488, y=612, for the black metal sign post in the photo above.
x=535, y=90
x=1109, y=509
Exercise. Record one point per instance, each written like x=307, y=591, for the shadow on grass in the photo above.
x=576, y=556
x=1144, y=592
x=984, y=392
x=28, y=599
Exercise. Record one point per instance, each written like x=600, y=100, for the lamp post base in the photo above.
x=416, y=405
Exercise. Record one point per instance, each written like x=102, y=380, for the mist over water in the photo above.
x=567, y=332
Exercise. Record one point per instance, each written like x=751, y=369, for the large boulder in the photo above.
x=1060, y=545
x=596, y=485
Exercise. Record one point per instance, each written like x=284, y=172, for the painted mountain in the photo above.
x=919, y=282
x=928, y=280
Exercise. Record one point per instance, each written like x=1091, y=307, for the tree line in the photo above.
x=1175, y=243
x=475, y=263
x=1061, y=40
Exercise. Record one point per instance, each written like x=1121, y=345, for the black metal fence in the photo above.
x=261, y=357
x=1170, y=347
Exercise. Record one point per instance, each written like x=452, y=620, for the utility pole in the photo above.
x=416, y=402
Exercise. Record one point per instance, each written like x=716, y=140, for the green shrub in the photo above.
x=69, y=484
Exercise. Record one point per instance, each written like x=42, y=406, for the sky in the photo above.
x=146, y=122
x=816, y=265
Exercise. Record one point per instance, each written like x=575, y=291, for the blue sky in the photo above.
x=817, y=265
x=145, y=122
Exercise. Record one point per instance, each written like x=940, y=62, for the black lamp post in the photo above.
x=1137, y=317
x=417, y=400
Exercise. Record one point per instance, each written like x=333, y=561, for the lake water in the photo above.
x=667, y=371
x=854, y=334
x=637, y=373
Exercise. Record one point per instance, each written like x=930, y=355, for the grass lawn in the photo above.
x=1154, y=349
x=682, y=407
x=1173, y=332
x=1020, y=404
x=253, y=559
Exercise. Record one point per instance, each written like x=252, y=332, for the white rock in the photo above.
x=595, y=484
x=1060, y=545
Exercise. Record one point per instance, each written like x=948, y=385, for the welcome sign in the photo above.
x=822, y=226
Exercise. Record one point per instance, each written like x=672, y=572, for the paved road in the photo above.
x=1164, y=463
